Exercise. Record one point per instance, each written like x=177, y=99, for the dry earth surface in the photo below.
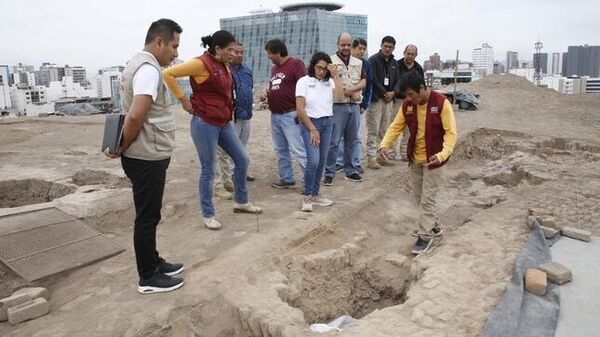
x=275, y=274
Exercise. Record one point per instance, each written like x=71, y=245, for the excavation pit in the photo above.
x=16, y=193
x=339, y=282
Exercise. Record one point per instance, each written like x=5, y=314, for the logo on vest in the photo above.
x=434, y=109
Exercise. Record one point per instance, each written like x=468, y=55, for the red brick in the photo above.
x=535, y=281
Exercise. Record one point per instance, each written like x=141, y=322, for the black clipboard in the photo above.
x=113, y=131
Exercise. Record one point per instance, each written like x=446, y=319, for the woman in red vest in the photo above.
x=211, y=107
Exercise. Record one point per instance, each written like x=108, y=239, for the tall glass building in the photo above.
x=305, y=27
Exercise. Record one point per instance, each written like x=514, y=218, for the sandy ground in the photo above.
x=275, y=274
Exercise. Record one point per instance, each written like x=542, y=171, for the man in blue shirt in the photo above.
x=243, y=95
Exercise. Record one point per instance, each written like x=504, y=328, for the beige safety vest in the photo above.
x=156, y=139
x=349, y=76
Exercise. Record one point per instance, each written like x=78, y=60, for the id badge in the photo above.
x=386, y=81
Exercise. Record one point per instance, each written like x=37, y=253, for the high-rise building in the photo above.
x=5, y=87
x=109, y=84
x=435, y=61
x=306, y=28
x=427, y=65
x=78, y=74
x=49, y=73
x=563, y=67
x=25, y=78
x=582, y=61
x=512, y=60
x=542, y=63
x=556, y=64
x=483, y=60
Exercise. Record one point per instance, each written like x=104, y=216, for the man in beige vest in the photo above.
x=346, y=111
x=145, y=151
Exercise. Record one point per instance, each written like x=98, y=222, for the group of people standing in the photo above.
x=317, y=114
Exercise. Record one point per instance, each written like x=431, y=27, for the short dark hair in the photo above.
x=220, y=38
x=411, y=80
x=388, y=39
x=359, y=41
x=319, y=56
x=165, y=28
x=276, y=46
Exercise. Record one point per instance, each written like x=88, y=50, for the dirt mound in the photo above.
x=15, y=193
x=90, y=177
x=504, y=81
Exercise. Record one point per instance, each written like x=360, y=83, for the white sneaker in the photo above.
x=212, y=223
x=246, y=208
x=307, y=205
x=322, y=201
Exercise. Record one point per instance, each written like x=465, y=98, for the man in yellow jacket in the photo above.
x=430, y=119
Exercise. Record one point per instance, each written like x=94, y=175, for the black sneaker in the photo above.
x=159, y=283
x=250, y=178
x=169, y=269
x=339, y=169
x=283, y=184
x=421, y=246
x=437, y=231
x=355, y=177
x=328, y=181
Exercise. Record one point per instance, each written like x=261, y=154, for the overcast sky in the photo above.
x=96, y=34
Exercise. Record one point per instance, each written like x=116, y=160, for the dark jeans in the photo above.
x=148, y=184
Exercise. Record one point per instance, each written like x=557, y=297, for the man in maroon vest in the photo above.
x=430, y=119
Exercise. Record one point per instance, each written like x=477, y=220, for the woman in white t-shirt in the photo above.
x=314, y=106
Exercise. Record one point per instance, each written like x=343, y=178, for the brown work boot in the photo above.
x=222, y=193
x=384, y=162
x=373, y=164
x=246, y=208
x=228, y=185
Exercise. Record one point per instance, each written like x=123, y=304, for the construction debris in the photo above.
x=28, y=310
x=575, y=233
x=536, y=281
x=24, y=304
x=556, y=272
x=466, y=99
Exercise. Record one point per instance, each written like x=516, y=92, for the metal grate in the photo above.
x=40, y=243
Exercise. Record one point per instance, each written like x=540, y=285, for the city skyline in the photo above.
x=97, y=35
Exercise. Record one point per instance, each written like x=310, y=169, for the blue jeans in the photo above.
x=357, y=155
x=206, y=138
x=346, y=119
x=316, y=155
x=286, y=138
